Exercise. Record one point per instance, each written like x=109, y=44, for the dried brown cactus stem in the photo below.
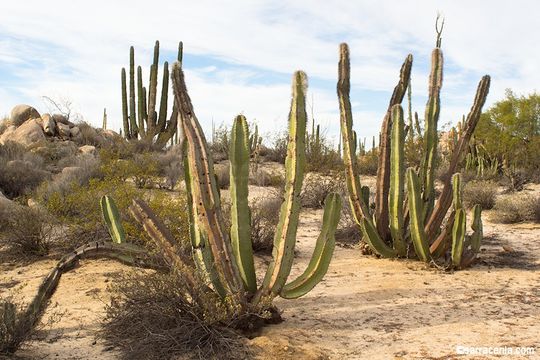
x=206, y=201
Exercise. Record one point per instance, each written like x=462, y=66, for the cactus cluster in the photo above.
x=224, y=257
x=141, y=118
x=400, y=217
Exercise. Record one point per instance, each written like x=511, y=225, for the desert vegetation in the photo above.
x=216, y=247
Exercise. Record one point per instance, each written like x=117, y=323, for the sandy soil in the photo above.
x=365, y=308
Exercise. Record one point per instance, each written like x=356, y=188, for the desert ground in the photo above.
x=365, y=308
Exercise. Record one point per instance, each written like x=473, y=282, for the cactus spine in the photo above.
x=396, y=223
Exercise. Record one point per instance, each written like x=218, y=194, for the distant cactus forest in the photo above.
x=239, y=244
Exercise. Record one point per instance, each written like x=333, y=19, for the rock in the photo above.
x=63, y=130
x=7, y=133
x=88, y=149
x=21, y=113
x=75, y=132
x=48, y=124
x=62, y=119
x=27, y=134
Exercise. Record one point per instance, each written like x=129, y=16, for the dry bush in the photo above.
x=54, y=151
x=82, y=169
x=223, y=176
x=171, y=167
x=483, y=193
x=535, y=209
x=264, y=178
x=515, y=208
x=21, y=172
x=25, y=231
x=11, y=337
x=316, y=188
x=368, y=163
x=219, y=147
x=264, y=219
x=157, y=316
x=278, y=152
x=144, y=169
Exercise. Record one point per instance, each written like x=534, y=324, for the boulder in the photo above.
x=63, y=130
x=27, y=134
x=62, y=119
x=22, y=113
x=48, y=124
x=88, y=149
x=75, y=132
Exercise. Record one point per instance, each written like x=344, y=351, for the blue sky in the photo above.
x=239, y=55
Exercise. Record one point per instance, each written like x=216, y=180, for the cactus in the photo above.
x=397, y=223
x=111, y=216
x=104, y=126
x=224, y=257
x=143, y=121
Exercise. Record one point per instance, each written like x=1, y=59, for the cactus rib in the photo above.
x=111, y=216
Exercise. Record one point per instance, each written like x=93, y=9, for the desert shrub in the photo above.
x=54, y=151
x=316, y=188
x=480, y=192
x=264, y=220
x=11, y=337
x=157, y=316
x=144, y=168
x=78, y=171
x=368, y=163
x=21, y=172
x=516, y=208
x=219, y=146
x=534, y=204
x=25, y=231
x=223, y=175
x=262, y=177
x=170, y=167
x=278, y=152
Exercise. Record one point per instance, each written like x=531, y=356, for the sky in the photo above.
x=239, y=55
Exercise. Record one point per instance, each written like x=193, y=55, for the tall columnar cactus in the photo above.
x=143, y=120
x=413, y=217
x=104, y=125
x=224, y=257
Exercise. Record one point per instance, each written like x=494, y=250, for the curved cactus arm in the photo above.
x=397, y=181
x=458, y=236
x=477, y=227
x=373, y=239
x=385, y=150
x=431, y=139
x=324, y=248
x=359, y=208
x=445, y=199
x=418, y=235
x=205, y=198
x=240, y=214
x=285, y=236
x=111, y=216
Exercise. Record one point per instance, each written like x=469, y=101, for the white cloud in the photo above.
x=76, y=49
